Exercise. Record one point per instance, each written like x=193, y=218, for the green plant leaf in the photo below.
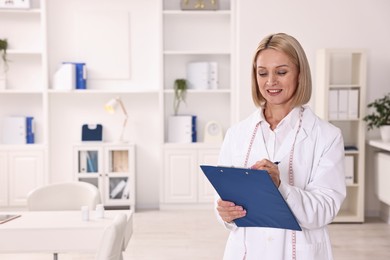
x=180, y=91
x=381, y=114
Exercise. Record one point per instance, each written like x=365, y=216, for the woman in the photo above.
x=310, y=175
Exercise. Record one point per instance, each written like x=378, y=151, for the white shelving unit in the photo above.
x=24, y=94
x=345, y=70
x=111, y=168
x=195, y=36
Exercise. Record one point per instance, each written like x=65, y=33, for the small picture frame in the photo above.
x=199, y=5
x=15, y=4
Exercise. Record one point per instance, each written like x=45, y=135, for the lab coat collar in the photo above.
x=291, y=118
x=308, y=121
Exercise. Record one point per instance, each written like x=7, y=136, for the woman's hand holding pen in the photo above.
x=271, y=168
x=229, y=211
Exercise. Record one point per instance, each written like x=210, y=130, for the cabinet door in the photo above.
x=206, y=191
x=180, y=182
x=3, y=179
x=116, y=172
x=119, y=176
x=25, y=174
x=88, y=165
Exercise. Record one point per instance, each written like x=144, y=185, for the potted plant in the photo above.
x=3, y=51
x=180, y=88
x=3, y=62
x=380, y=118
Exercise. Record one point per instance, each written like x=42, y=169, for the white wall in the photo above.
x=317, y=24
x=320, y=24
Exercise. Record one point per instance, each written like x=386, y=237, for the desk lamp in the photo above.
x=113, y=105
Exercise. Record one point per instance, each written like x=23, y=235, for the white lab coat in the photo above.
x=316, y=197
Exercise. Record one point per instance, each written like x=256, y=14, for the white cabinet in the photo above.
x=20, y=172
x=180, y=178
x=340, y=99
x=183, y=182
x=111, y=168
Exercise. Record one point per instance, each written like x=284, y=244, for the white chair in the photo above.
x=63, y=196
x=112, y=242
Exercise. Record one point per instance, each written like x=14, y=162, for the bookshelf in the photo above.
x=193, y=36
x=340, y=99
x=23, y=94
x=111, y=168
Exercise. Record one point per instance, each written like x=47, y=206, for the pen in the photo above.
x=276, y=163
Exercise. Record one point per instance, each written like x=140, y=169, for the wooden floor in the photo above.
x=196, y=235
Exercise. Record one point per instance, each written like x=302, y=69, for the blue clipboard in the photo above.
x=255, y=191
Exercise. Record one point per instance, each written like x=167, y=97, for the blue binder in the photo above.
x=255, y=191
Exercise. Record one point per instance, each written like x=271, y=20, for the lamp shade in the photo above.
x=111, y=105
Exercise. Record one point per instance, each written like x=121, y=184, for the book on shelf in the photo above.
x=88, y=161
x=92, y=161
x=126, y=191
x=82, y=161
x=18, y=130
x=115, y=192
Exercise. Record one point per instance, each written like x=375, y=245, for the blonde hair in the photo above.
x=293, y=49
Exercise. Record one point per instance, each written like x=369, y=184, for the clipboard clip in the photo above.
x=221, y=171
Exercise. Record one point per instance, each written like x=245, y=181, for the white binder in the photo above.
x=14, y=130
x=349, y=169
x=180, y=129
x=65, y=77
x=353, y=104
x=343, y=104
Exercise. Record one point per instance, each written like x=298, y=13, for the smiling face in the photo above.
x=277, y=77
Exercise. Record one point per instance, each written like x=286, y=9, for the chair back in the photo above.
x=63, y=196
x=111, y=245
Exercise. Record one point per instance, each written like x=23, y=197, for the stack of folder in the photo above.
x=343, y=104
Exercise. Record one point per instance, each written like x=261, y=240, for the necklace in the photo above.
x=290, y=173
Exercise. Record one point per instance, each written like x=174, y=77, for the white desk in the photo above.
x=380, y=145
x=381, y=165
x=57, y=231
